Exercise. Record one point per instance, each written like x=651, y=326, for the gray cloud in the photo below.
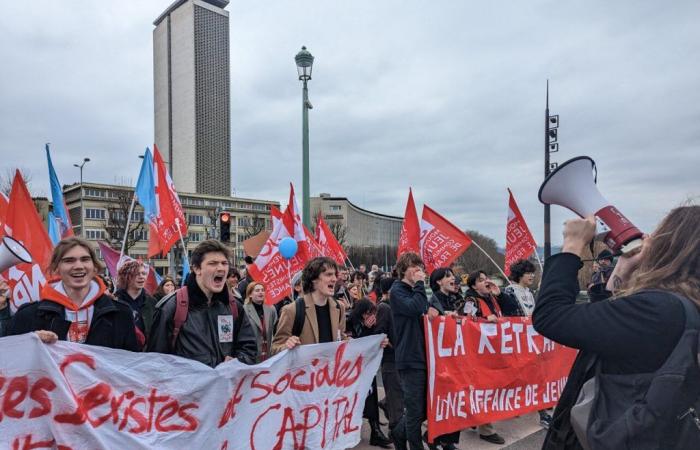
x=446, y=97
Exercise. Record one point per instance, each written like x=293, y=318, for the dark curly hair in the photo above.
x=313, y=270
x=520, y=268
x=406, y=260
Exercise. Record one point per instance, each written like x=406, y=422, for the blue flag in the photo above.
x=146, y=188
x=59, y=221
x=185, y=269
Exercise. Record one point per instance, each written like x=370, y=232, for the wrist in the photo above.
x=575, y=247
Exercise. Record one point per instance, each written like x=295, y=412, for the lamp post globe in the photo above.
x=305, y=62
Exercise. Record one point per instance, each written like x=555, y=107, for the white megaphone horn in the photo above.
x=12, y=253
x=573, y=186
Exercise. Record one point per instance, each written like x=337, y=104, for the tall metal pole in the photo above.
x=306, y=208
x=547, y=219
x=82, y=211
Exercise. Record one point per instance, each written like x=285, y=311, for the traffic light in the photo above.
x=225, y=227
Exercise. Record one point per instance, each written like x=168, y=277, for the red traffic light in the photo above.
x=225, y=217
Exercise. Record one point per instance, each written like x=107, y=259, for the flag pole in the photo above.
x=539, y=261
x=494, y=262
x=289, y=274
x=184, y=248
x=126, y=231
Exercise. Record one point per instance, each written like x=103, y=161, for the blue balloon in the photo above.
x=288, y=248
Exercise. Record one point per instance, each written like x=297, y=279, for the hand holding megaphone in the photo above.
x=573, y=186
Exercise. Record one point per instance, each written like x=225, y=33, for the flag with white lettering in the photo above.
x=481, y=372
x=25, y=225
x=440, y=241
x=519, y=241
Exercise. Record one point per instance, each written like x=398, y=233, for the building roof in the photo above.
x=366, y=211
x=177, y=3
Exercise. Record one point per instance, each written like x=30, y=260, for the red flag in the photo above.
x=25, y=225
x=519, y=241
x=113, y=263
x=328, y=243
x=440, y=241
x=409, y=240
x=170, y=214
x=4, y=206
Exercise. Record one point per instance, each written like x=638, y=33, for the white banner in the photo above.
x=74, y=397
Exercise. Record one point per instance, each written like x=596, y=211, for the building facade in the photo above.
x=362, y=228
x=191, y=80
x=105, y=208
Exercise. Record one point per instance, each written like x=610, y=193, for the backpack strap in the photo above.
x=299, y=316
x=692, y=315
x=182, y=304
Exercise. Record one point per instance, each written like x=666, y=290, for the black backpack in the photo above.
x=658, y=410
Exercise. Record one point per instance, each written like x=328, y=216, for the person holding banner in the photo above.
x=198, y=321
x=74, y=303
x=484, y=299
x=627, y=342
x=324, y=317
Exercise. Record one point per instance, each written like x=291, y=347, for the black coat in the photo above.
x=112, y=322
x=630, y=335
x=408, y=305
x=199, y=335
x=507, y=302
x=142, y=307
x=385, y=324
x=443, y=302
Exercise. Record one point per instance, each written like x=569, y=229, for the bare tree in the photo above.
x=253, y=226
x=474, y=259
x=8, y=176
x=117, y=213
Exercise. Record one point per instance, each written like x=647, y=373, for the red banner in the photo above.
x=440, y=241
x=409, y=239
x=171, y=216
x=519, y=241
x=481, y=372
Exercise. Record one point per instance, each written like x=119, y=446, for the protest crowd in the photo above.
x=636, y=329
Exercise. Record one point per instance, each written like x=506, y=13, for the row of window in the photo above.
x=190, y=201
x=95, y=234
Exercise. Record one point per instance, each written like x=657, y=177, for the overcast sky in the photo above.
x=446, y=96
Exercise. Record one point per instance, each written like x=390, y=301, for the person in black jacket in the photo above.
x=631, y=334
x=74, y=304
x=408, y=305
x=392, y=403
x=485, y=299
x=363, y=321
x=131, y=278
x=206, y=335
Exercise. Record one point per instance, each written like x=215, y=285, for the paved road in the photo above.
x=521, y=433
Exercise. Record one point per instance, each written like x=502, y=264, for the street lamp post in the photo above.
x=551, y=126
x=82, y=211
x=305, y=62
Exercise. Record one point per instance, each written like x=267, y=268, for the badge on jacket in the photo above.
x=226, y=328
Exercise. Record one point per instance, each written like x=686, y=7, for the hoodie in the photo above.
x=80, y=316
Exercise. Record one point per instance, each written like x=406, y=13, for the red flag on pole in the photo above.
x=440, y=241
x=328, y=243
x=519, y=241
x=270, y=268
x=292, y=220
x=25, y=225
x=409, y=239
x=164, y=228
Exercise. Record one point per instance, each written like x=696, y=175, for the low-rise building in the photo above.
x=101, y=216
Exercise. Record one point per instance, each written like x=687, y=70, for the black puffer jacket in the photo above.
x=199, y=335
x=112, y=323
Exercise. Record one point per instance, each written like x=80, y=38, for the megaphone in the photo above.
x=12, y=253
x=573, y=186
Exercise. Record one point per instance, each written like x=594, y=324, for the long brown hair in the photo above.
x=671, y=256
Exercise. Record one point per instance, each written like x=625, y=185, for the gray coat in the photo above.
x=270, y=318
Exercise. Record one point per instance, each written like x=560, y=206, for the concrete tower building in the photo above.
x=192, y=95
